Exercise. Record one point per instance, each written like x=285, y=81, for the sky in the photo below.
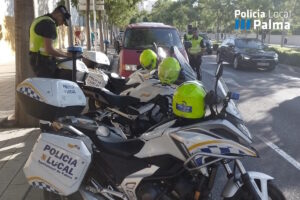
x=146, y=5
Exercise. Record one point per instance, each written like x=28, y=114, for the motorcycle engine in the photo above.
x=183, y=189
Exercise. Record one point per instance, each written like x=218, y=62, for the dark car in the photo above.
x=247, y=53
x=207, y=42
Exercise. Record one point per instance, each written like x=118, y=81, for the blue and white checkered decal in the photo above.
x=43, y=186
x=30, y=92
x=221, y=150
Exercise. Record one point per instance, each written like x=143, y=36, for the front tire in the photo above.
x=218, y=59
x=243, y=194
x=236, y=63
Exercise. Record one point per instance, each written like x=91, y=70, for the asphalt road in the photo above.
x=270, y=104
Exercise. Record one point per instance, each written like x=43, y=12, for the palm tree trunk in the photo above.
x=24, y=14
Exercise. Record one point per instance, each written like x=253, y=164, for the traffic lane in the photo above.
x=267, y=111
x=269, y=161
x=268, y=100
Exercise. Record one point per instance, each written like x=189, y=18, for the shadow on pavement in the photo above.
x=15, y=147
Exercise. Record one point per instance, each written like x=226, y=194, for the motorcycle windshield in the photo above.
x=161, y=53
x=186, y=73
x=231, y=108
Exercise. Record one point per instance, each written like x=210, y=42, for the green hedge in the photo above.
x=288, y=56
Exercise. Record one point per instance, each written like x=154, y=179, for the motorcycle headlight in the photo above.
x=130, y=67
x=245, y=130
x=245, y=57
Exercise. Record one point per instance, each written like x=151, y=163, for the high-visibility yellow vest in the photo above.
x=195, y=49
x=36, y=42
x=189, y=37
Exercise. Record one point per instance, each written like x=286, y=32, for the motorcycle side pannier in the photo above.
x=48, y=99
x=57, y=164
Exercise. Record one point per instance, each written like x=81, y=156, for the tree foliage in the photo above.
x=214, y=15
x=120, y=11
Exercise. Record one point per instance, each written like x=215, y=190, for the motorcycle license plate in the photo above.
x=95, y=80
x=263, y=64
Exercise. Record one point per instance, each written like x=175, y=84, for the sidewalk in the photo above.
x=15, y=147
x=7, y=88
x=15, y=144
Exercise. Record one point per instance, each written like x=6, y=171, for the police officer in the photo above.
x=43, y=42
x=196, y=51
x=189, y=35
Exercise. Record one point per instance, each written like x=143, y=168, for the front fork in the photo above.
x=248, y=179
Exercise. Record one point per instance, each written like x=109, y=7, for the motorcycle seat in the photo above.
x=109, y=98
x=126, y=148
x=111, y=141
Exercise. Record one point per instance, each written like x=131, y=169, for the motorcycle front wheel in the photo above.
x=244, y=194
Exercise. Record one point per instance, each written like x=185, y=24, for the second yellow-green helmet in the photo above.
x=148, y=59
x=188, y=100
x=168, y=70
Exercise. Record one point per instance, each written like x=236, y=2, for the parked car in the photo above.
x=140, y=36
x=246, y=53
x=207, y=42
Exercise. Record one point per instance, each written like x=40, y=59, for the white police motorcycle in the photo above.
x=174, y=160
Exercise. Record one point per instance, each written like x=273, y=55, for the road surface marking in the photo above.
x=231, y=81
x=286, y=156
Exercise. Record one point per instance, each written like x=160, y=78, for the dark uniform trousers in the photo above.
x=195, y=62
x=43, y=66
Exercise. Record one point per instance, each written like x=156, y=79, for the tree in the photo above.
x=24, y=14
x=120, y=11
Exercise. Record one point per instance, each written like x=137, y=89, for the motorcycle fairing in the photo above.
x=232, y=187
x=211, y=146
x=131, y=182
x=149, y=89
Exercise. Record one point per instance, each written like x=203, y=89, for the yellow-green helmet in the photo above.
x=168, y=70
x=188, y=100
x=148, y=59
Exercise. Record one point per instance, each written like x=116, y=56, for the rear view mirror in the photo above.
x=219, y=71
x=187, y=44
